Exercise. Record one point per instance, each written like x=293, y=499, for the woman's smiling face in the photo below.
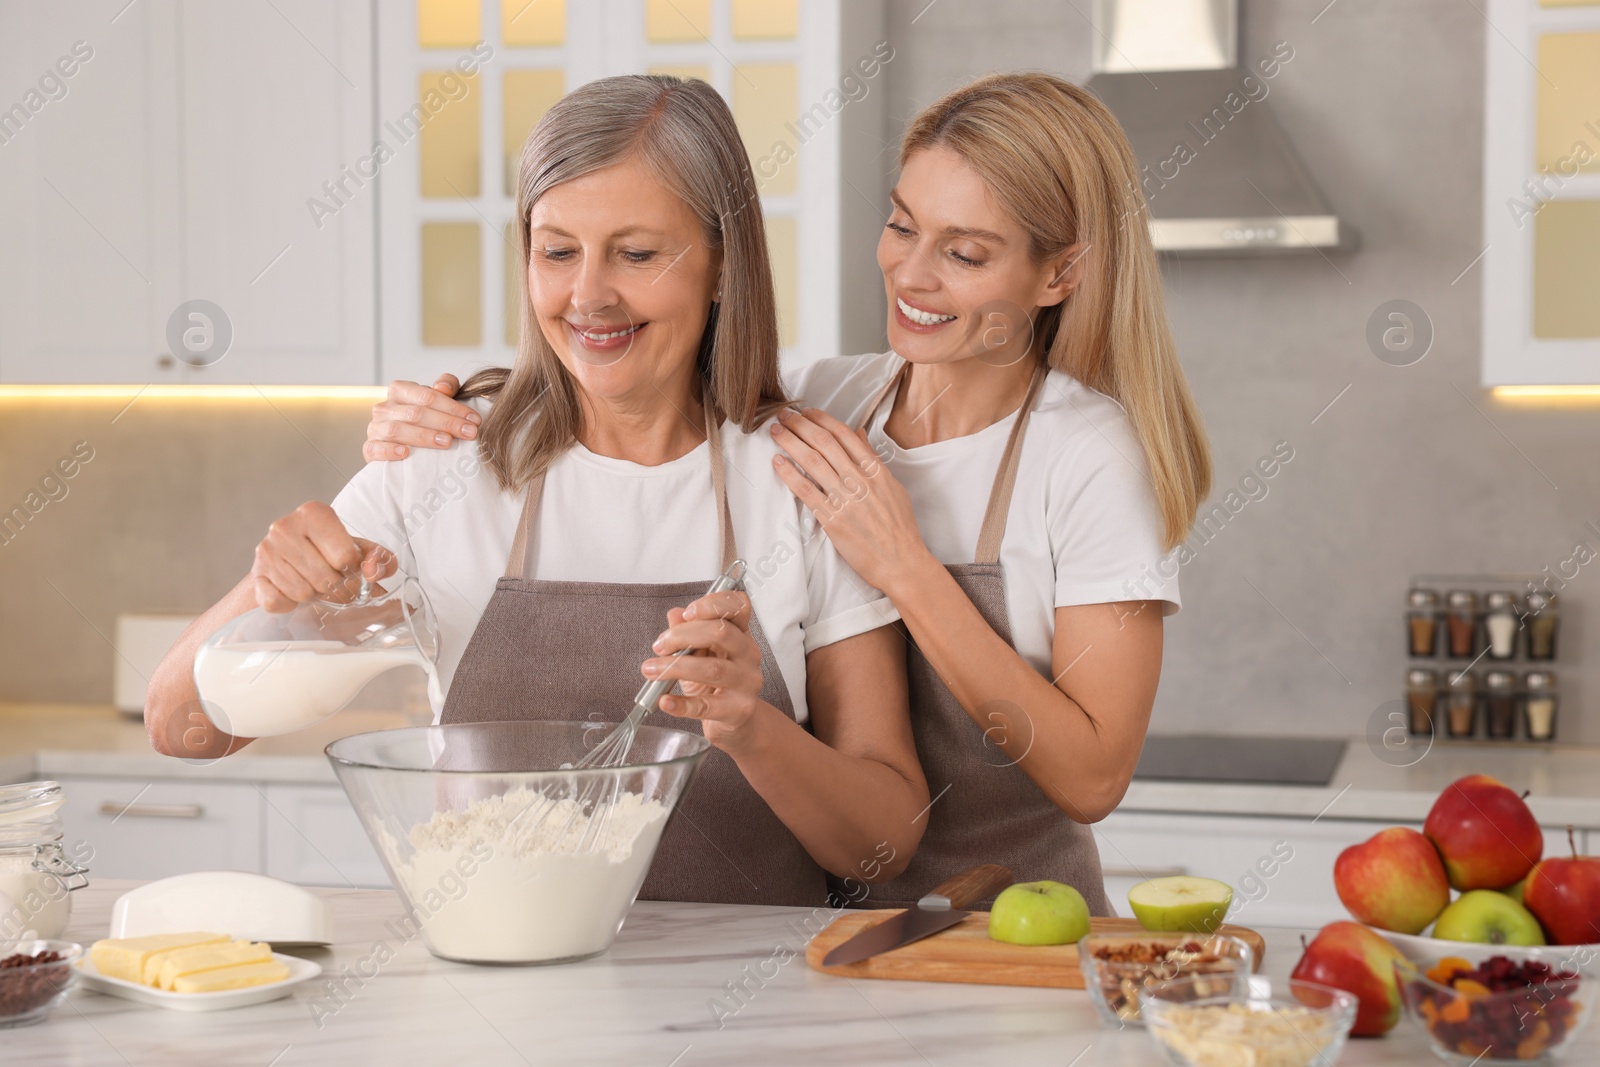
x=957, y=269
x=621, y=281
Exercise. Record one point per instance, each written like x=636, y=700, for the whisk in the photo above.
x=594, y=797
x=613, y=751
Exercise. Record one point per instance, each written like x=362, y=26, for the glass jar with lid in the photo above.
x=1539, y=705
x=1422, y=622
x=1422, y=700
x=1500, y=624
x=1461, y=704
x=35, y=872
x=1461, y=624
x=1544, y=623
x=1500, y=704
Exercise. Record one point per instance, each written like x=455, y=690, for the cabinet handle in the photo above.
x=1143, y=872
x=153, y=811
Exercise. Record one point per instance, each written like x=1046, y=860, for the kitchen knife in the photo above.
x=940, y=909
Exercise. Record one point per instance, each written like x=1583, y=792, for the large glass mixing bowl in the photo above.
x=501, y=851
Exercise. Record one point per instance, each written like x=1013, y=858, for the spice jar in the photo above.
x=1500, y=625
x=1461, y=624
x=1500, y=704
x=34, y=871
x=1461, y=703
x=1539, y=705
x=1422, y=700
x=1422, y=622
x=1544, y=619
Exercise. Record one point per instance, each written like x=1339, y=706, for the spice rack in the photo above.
x=1482, y=654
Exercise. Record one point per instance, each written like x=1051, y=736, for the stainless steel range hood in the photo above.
x=1219, y=173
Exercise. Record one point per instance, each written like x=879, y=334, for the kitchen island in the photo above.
x=661, y=997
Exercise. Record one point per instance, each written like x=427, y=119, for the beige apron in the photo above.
x=985, y=809
x=568, y=651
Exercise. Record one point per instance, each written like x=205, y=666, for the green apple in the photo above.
x=1181, y=903
x=1039, y=913
x=1488, y=917
x=1515, y=891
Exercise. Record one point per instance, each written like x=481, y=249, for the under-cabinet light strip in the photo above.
x=198, y=392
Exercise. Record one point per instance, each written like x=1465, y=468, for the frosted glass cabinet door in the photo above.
x=185, y=157
x=88, y=205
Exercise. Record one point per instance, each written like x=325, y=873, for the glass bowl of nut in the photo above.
x=1301, y=1024
x=1118, y=968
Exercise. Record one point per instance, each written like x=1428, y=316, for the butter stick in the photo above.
x=126, y=957
x=187, y=961
x=239, y=977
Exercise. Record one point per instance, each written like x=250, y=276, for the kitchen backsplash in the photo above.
x=1289, y=610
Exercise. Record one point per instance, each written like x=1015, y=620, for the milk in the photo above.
x=265, y=688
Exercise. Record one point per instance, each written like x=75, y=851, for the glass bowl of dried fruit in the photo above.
x=1303, y=1024
x=1117, y=968
x=1498, y=1010
x=33, y=977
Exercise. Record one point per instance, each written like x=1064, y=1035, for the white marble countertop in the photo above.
x=645, y=1002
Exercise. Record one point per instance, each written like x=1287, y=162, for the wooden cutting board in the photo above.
x=965, y=953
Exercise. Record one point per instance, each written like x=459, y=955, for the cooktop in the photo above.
x=1235, y=758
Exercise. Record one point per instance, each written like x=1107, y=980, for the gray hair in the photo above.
x=681, y=129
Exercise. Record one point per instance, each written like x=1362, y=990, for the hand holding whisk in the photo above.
x=613, y=751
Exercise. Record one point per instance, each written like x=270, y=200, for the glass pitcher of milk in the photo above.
x=265, y=674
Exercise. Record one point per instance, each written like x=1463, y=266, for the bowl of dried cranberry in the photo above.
x=34, y=977
x=1497, y=1010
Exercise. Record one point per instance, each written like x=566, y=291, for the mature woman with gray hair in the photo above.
x=623, y=462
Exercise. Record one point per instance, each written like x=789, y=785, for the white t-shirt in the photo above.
x=608, y=520
x=1083, y=528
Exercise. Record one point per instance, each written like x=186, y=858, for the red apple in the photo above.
x=1563, y=892
x=1348, y=956
x=1485, y=834
x=1394, y=880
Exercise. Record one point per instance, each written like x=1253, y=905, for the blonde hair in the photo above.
x=682, y=130
x=1056, y=159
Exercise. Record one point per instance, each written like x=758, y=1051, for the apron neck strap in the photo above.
x=993, y=529
x=882, y=394
x=1005, y=480
x=517, y=564
x=719, y=486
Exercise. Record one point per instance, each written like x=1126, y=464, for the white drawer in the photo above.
x=314, y=838
x=146, y=829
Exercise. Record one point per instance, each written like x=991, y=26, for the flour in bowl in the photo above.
x=529, y=891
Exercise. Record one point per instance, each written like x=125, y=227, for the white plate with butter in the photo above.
x=299, y=971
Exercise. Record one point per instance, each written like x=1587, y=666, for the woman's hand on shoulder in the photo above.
x=418, y=416
x=864, y=509
x=309, y=555
x=721, y=679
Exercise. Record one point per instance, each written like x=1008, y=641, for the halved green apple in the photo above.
x=1181, y=903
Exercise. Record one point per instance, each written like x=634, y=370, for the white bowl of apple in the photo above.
x=1481, y=841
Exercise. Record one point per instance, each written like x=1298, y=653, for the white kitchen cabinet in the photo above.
x=89, y=204
x=314, y=838
x=145, y=829
x=182, y=163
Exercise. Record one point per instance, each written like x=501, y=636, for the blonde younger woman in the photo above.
x=624, y=460
x=1013, y=474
